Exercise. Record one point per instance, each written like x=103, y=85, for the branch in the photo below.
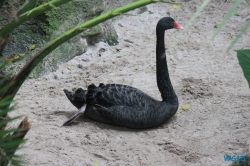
x=6, y=30
x=26, y=70
x=29, y=4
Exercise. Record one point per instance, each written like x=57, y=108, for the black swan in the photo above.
x=126, y=106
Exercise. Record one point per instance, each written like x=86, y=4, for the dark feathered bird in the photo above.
x=126, y=106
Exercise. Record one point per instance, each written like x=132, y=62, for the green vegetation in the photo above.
x=244, y=61
x=243, y=55
x=43, y=28
x=11, y=139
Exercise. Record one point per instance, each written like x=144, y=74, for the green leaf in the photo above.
x=20, y=77
x=32, y=47
x=236, y=14
x=119, y=56
x=185, y=107
x=189, y=23
x=244, y=61
x=176, y=6
x=95, y=163
x=70, y=67
x=28, y=5
x=10, y=139
x=244, y=29
x=7, y=29
x=226, y=18
x=248, y=2
x=230, y=38
x=217, y=26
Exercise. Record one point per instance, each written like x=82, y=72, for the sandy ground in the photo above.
x=209, y=81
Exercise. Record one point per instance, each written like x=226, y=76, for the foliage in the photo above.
x=226, y=18
x=38, y=57
x=6, y=30
x=242, y=55
x=29, y=4
x=11, y=139
x=195, y=15
x=244, y=61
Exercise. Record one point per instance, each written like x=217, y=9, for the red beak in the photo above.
x=177, y=26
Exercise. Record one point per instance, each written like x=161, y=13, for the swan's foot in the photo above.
x=76, y=115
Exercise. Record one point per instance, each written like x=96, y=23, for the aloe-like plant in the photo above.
x=18, y=79
x=242, y=55
x=244, y=61
x=11, y=139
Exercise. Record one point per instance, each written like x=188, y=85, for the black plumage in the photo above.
x=126, y=106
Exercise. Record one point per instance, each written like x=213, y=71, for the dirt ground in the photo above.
x=210, y=81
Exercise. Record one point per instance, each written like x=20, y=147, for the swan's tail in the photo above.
x=75, y=116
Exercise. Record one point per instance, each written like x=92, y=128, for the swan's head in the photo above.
x=77, y=98
x=168, y=23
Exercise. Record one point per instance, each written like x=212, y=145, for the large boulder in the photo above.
x=45, y=27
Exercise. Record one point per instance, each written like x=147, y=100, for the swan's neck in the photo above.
x=163, y=80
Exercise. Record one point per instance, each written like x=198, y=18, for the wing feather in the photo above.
x=116, y=94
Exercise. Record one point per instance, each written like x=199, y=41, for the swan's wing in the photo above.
x=117, y=95
x=124, y=116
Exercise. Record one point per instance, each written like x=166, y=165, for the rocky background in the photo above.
x=208, y=82
x=45, y=27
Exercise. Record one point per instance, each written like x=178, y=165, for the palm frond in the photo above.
x=10, y=139
x=226, y=18
x=189, y=23
x=243, y=31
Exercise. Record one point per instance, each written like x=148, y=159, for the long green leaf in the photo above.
x=244, y=29
x=10, y=139
x=3, y=80
x=244, y=61
x=6, y=30
x=4, y=122
x=28, y=5
x=189, y=23
x=26, y=70
x=248, y=2
x=226, y=18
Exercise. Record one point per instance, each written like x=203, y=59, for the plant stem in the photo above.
x=6, y=30
x=189, y=23
x=26, y=70
x=243, y=30
x=28, y=5
x=226, y=18
x=248, y=3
